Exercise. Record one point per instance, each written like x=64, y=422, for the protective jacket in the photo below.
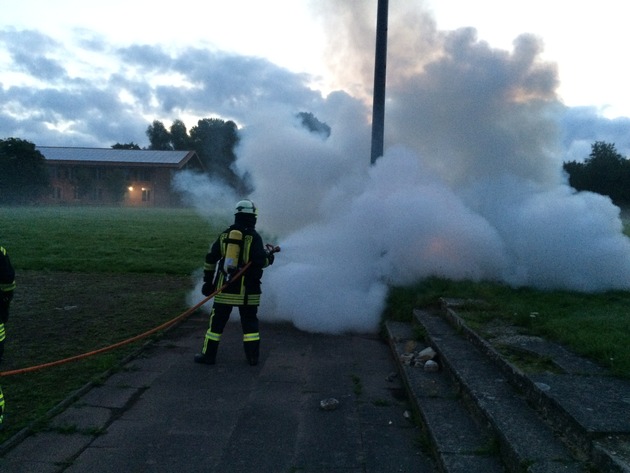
x=246, y=289
x=7, y=274
x=7, y=285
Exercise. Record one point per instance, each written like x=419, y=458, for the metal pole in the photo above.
x=380, y=66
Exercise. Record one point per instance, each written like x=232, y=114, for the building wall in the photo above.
x=76, y=184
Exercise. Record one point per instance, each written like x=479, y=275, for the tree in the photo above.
x=159, y=137
x=605, y=171
x=578, y=178
x=179, y=136
x=131, y=145
x=215, y=140
x=312, y=124
x=23, y=176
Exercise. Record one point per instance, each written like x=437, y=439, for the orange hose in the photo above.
x=182, y=316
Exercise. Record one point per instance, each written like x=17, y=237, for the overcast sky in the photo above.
x=92, y=74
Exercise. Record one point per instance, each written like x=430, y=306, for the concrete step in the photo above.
x=458, y=441
x=526, y=442
x=578, y=398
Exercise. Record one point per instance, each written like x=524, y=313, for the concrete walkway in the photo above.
x=164, y=413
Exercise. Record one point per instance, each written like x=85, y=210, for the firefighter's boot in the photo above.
x=209, y=353
x=252, y=350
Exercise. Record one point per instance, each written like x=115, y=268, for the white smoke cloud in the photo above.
x=470, y=187
x=400, y=225
x=210, y=197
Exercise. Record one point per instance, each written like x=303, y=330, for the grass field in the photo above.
x=594, y=325
x=89, y=277
x=118, y=240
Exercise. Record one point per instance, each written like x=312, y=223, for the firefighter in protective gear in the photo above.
x=232, y=250
x=7, y=285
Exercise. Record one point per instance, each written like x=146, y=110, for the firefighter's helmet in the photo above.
x=246, y=207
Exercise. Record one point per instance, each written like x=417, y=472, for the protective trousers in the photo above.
x=249, y=323
x=2, y=337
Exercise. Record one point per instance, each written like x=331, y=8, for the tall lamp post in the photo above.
x=380, y=66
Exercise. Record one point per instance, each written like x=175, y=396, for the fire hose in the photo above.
x=270, y=249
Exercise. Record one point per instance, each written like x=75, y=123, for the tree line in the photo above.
x=214, y=140
x=23, y=173
x=24, y=177
x=605, y=172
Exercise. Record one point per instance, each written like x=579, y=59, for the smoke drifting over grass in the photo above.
x=209, y=197
x=470, y=187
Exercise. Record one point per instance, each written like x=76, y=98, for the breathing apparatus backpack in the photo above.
x=232, y=260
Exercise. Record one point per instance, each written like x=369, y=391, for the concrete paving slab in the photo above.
x=558, y=355
x=462, y=463
x=171, y=414
x=111, y=397
x=595, y=402
x=15, y=466
x=49, y=447
x=83, y=418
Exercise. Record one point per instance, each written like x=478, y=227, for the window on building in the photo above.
x=56, y=193
x=146, y=194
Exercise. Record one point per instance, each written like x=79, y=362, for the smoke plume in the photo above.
x=470, y=186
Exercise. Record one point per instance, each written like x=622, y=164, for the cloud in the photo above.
x=145, y=83
x=583, y=126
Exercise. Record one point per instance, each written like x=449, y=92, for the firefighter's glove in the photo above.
x=270, y=257
x=207, y=288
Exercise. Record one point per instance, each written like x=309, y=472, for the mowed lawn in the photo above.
x=114, y=240
x=88, y=278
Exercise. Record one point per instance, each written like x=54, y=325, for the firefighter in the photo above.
x=234, y=248
x=7, y=285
